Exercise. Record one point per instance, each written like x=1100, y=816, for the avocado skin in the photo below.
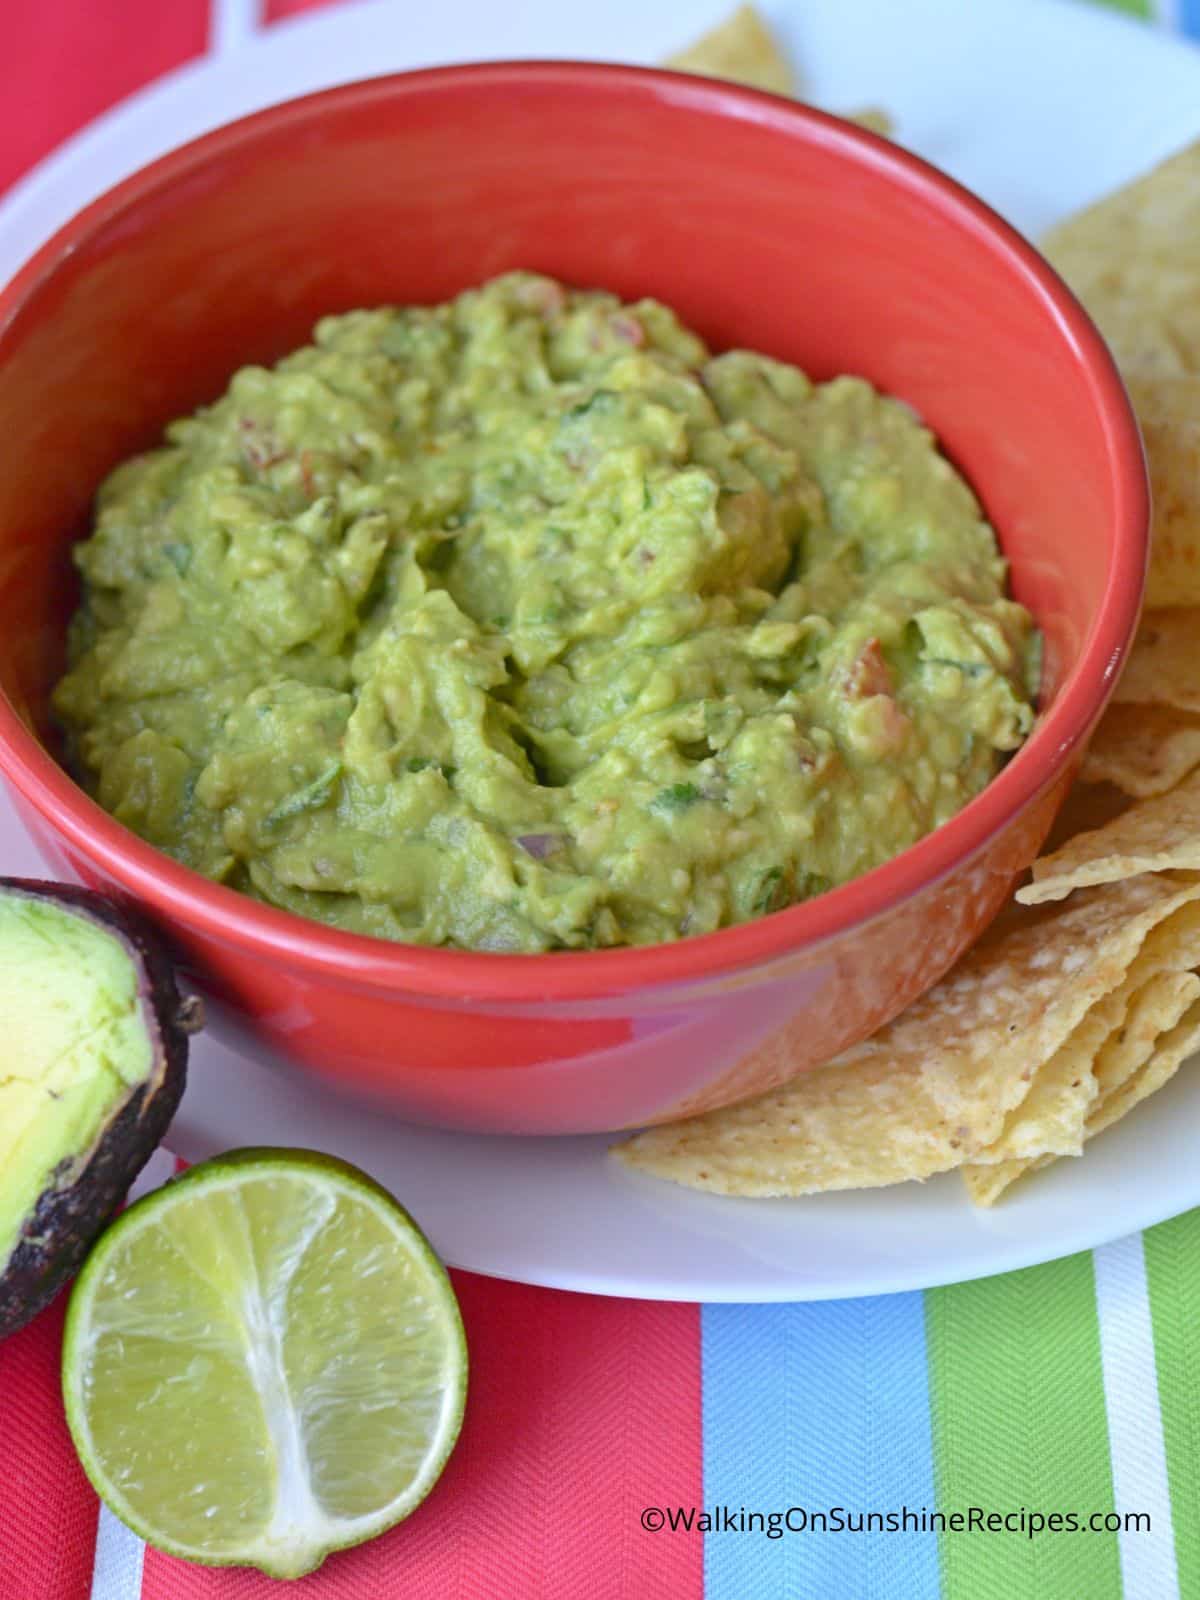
x=89, y=1186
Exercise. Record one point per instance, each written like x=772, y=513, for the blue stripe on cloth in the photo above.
x=816, y=1407
x=1189, y=17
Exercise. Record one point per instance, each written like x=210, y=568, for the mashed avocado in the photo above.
x=523, y=622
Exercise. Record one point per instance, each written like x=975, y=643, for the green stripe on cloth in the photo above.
x=1173, y=1279
x=1019, y=1421
x=1133, y=8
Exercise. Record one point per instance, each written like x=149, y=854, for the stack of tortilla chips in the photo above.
x=1084, y=999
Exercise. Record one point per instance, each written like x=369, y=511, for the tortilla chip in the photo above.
x=1050, y=1119
x=874, y=119
x=1172, y=946
x=1166, y=1059
x=1164, y=665
x=985, y=1185
x=1157, y=835
x=1168, y=410
x=1140, y=1055
x=742, y=49
x=1142, y=750
x=1134, y=261
x=1153, y=1011
x=936, y=1086
x=1115, y=1037
x=1158, y=1064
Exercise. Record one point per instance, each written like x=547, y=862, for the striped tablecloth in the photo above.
x=1030, y=1437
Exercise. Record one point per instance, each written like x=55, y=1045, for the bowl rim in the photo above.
x=467, y=976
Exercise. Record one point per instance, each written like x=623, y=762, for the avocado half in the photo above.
x=93, y=1060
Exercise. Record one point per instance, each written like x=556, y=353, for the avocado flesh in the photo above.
x=74, y=1045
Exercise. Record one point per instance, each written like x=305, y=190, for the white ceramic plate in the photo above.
x=1038, y=105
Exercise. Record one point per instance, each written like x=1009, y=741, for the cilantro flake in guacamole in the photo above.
x=523, y=623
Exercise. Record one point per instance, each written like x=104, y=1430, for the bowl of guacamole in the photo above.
x=525, y=622
x=533, y=575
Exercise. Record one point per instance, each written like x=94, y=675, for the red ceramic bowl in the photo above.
x=764, y=224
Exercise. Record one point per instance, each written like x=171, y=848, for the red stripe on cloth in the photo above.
x=582, y=1411
x=64, y=63
x=276, y=10
x=47, y=1508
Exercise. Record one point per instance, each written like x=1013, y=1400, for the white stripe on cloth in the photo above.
x=117, y=1564
x=231, y=24
x=117, y=1569
x=1135, y=1434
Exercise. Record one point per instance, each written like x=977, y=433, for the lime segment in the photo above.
x=264, y=1361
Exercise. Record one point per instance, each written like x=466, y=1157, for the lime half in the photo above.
x=264, y=1361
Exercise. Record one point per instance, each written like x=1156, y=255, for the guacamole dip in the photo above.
x=523, y=622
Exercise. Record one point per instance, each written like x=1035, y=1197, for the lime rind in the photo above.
x=283, y=1343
